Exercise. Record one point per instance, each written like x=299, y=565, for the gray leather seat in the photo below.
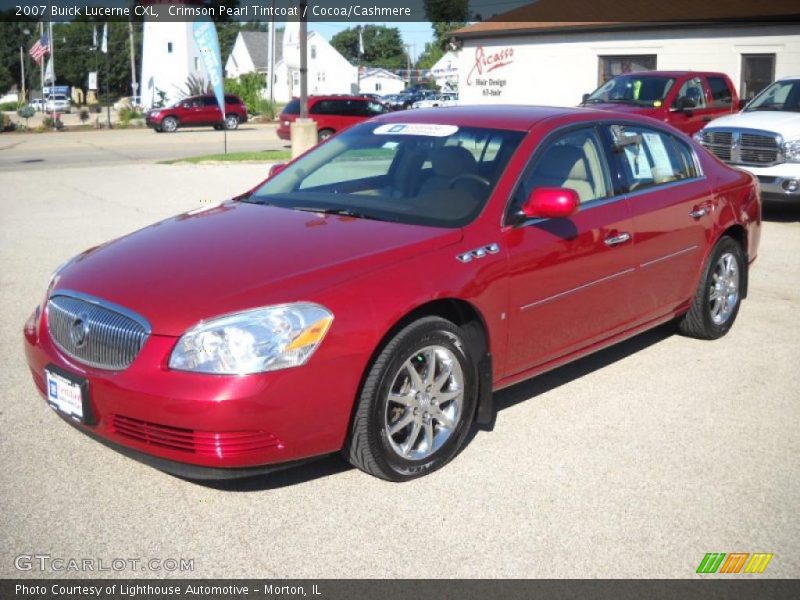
x=564, y=167
x=448, y=162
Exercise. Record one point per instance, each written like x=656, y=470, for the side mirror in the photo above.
x=585, y=98
x=551, y=203
x=686, y=103
x=275, y=169
x=187, y=105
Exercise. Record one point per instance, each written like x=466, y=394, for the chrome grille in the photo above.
x=743, y=147
x=94, y=334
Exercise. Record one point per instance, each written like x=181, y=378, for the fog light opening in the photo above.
x=791, y=185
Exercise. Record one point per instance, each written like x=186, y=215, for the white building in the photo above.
x=250, y=53
x=555, y=64
x=380, y=81
x=169, y=57
x=445, y=71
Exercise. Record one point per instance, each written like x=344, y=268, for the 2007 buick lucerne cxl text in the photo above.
x=369, y=296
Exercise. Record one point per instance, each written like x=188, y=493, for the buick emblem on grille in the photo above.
x=79, y=330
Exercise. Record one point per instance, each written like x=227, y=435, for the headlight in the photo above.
x=791, y=150
x=254, y=341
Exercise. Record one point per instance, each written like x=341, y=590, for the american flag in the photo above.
x=40, y=49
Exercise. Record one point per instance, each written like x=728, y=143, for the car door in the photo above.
x=691, y=109
x=210, y=113
x=671, y=205
x=191, y=111
x=569, y=278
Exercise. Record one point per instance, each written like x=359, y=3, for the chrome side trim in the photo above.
x=481, y=252
x=667, y=256
x=577, y=289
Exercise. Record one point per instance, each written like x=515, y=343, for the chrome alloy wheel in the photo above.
x=724, y=291
x=425, y=403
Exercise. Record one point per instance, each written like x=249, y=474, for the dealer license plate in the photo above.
x=64, y=395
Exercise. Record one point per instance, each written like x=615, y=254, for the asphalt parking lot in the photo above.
x=633, y=462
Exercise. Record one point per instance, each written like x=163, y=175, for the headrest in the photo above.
x=449, y=161
x=562, y=162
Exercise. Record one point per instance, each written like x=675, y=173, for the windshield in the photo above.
x=639, y=90
x=781, y=95
x=423, y=174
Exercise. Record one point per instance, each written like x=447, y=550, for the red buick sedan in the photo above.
x=371, y=295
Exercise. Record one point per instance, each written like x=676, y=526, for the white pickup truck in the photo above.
x=763, y=139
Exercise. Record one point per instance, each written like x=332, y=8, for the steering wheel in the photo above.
x=471, y=176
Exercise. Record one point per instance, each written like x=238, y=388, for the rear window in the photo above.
x=720, y=91
x=293, y=108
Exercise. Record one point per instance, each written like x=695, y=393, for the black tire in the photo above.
x=324, y=134
x=169, y=124
x=368, y=446
x=699, y=322
x=218, y=127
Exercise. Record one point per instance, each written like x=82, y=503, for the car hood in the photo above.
x=236, y=256
x=623, y=108
x=785, y=123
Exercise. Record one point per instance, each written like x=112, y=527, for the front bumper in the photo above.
x=779, y=182
x=207, y=426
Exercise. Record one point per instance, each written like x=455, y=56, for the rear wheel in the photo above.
x=231, y=122
x=417, y=403
x=324, y=134
x=719, y=295
x=169, y=124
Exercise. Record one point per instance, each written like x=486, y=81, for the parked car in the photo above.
x=331, y=113
x=58, y=103
x=369, y=296
x=444, y=99
x=37, y=104
x=764, y=139
x=687, y=100
x=198, y=111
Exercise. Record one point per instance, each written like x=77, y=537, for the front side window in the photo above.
x=575, y=161
x=649, y=157
x=421, y=174
x=692, y=94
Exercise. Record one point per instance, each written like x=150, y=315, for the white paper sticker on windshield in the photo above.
x=430, y=129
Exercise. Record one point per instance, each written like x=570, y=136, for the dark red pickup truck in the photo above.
x=687, y=100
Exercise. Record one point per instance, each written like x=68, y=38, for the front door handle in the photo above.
x=616, y=240
x=699, y=212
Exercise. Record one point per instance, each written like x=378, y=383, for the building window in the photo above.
x=169, y=47
x=313, y=52
x=196, y=64
x=758, y=71
x=611, y=66
x=377, y=87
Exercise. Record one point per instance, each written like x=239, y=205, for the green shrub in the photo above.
x=9, y=106
x=26, y=112
x=83, y=115
x=127, y=113
x=6, y=124
x=249, y=88
x=49, y=123
x=263, y=107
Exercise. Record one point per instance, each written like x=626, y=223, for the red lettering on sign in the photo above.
x=486, y=63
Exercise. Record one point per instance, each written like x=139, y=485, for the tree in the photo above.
x=12, y=37
x=383, y=46
x=446, y=16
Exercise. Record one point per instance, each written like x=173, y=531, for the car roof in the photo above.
x=673, y=73
x=515, y=117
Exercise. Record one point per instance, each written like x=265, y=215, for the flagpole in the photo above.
x=22, y=68
x=53, y=67
x=41, y=64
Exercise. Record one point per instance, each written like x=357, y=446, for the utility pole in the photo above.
x=134, y=85
x=22, y=71
x=303, y=61
x=271, y=61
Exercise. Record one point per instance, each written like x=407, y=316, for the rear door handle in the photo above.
x=616, y=240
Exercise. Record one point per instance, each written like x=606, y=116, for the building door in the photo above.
x=758, y=71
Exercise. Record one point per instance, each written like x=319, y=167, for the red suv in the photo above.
x=198, y=111
x=373, y=293
x=331, y=113
x=687, y=100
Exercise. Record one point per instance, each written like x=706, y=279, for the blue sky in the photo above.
x=414, y=33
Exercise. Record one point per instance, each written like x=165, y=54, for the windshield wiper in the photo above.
x=344, y=212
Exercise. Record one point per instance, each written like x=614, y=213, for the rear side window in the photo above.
x=209, y=101
x=720, y=92
x=650, y=158
x=293, y=108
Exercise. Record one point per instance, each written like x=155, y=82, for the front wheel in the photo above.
x=169, y=124
x=417, y=403
x=324, y=134
x=231, y=122
x=719, y=295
